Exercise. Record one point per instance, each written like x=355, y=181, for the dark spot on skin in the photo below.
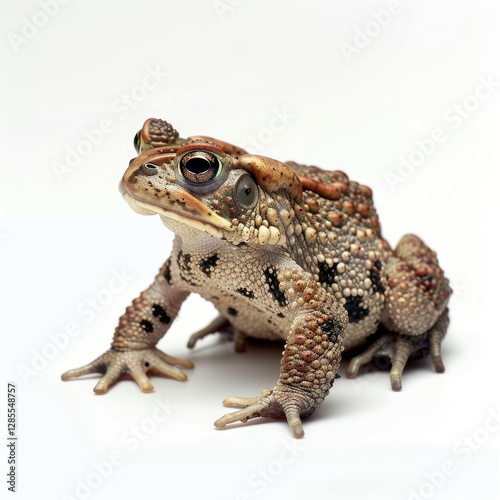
x=208, y=264
x=326, y=273
x=375, y=276
x=281, y=315
x=185, y=265
x=274, y=286
x=167, y=273
x=146, y=364
x=333, y=329
x=246, y=293
x=354, y=309
x=161, y=314
x=147, y=326
x=184, y=261
x=189, y=281
x=231, y=311
x=427, y=281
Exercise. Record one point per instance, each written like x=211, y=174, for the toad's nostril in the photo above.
x=149, y=169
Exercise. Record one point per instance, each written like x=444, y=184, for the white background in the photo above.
x=226, y=69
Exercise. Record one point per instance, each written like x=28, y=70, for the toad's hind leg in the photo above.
x=415, y=315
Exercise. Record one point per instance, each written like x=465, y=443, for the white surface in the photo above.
x=230, y=73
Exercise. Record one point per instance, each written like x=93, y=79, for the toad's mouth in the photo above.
x=191, y=212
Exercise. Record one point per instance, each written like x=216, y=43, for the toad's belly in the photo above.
x=266, y=324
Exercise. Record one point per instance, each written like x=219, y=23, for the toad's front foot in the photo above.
x=282, y=402
x=116, y=365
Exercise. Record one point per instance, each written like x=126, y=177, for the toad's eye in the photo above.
x=199, y=166
x=137, y=141
x=246, y=192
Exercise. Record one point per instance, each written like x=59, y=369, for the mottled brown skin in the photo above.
x=284, y=252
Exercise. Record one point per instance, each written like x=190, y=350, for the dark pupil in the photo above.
x=248, y=191
x=197, y=165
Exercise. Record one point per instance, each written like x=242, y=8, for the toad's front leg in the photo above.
x=309, y=363
x=133, y=352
